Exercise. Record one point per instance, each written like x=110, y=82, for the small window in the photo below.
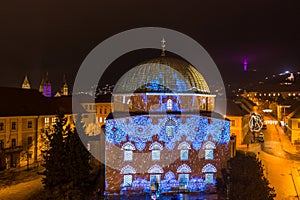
x=127, y=180
x=232, y=122
x=100, y=111
x=47, y=121
x=29, y=124
x=14, y=126
x=169, y=104
x=183, y=179
x=170, y=131
x=184, y=154
x=100, y=119
x=105, y=111
x=209, y=177
x=86, y=107
x=1, y=144
x=209, y=154
x=91, y=107
x=29, y=141
x=1, y=126
x=298, y=125
x=128, y=154
x=13, y=143
x=155, y=154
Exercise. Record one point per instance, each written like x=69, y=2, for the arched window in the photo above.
x=209, y=150
x=128, y=149
x=127, y=172
x=184, y=150
x=170, y=127
x=209, y=169
x=183, y=175
x=156, y=148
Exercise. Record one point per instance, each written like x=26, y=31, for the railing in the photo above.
x=11, y=149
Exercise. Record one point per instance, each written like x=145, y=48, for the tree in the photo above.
x=245, y=179
x=55, y=177
x=66, y=162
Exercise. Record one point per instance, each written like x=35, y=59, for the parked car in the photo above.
x=261, y=137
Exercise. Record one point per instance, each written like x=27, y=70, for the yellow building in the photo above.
x=25, y=116
x=239, y=119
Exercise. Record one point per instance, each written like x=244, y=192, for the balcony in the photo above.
x=12, y=149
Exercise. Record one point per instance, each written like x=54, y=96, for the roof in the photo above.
x=234, y=109
x=103, y=98
x=29, y=102
x=162, y=74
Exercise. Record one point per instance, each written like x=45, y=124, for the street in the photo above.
x=280, y=160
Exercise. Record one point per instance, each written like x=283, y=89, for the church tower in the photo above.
x=45, y=86
x=64, y=89
x=26, y=84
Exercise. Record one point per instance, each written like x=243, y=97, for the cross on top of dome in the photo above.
x=163, y=46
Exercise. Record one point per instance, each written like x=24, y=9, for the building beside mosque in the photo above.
x=163, y=132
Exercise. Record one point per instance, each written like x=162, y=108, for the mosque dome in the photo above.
x=162, y=75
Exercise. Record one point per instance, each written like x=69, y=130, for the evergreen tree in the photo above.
x=66, y=163
x=55, y=156
x=245, y=179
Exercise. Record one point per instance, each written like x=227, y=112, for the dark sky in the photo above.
x=38, y=36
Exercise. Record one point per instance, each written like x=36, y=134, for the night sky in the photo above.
x=39, y=36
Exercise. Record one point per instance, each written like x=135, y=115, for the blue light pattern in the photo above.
x=141, y=129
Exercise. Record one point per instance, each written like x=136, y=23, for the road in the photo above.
x=281, y=163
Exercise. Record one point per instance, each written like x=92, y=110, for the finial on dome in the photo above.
x=163, y=46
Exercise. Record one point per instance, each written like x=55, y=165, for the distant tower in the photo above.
x=64, y=89
x=41, y=88
x=245, y=65
x=45, y=86
x=26, y=84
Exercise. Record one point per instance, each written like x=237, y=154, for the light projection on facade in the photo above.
x=186, y=159
x=163, y=134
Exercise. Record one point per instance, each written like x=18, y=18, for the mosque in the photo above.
x=163, y=133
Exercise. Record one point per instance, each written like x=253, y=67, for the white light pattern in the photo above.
x=184, y=169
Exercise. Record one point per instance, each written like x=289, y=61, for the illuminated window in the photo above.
x=209, y=154
x=128, y=155
x=156, y=148
x=29, y=124
x=169, y=131
x=14, y=126
x=184, y=154
x=155, y=154
x=209, y=178
x=127, y=180
x=169, y=104
x=184, y=150
x=128, y=149
x=155, y=178
x=209, y=169
x=232, y=122
x=47, y=121
x=100, y=120
x=209, y=150
x=183, y=179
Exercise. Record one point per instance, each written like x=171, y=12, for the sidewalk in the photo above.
x=285, y=142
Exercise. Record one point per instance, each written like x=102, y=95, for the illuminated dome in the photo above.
x=163, y=74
